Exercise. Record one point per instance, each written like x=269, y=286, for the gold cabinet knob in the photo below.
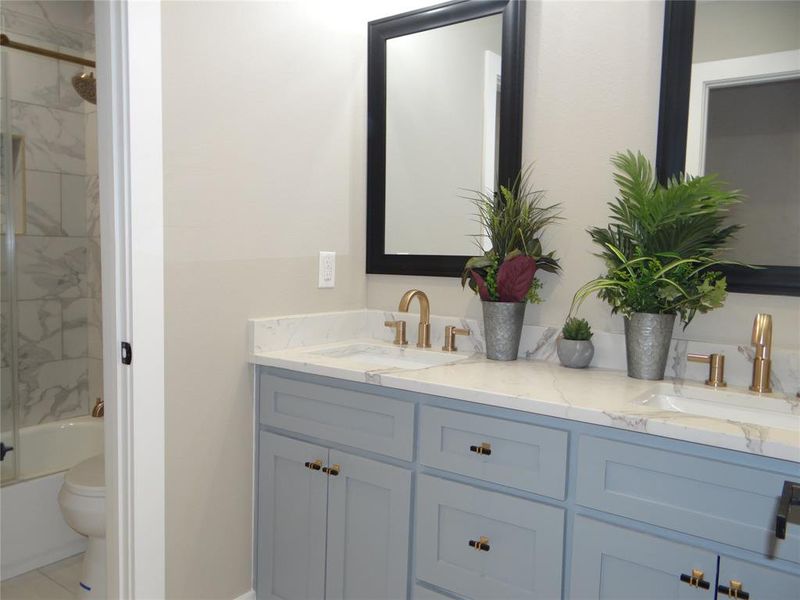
x=733, y=590
x=485, y=449
x=333, y=470
x=696, y=579
x=314, y=465
x=482, y=544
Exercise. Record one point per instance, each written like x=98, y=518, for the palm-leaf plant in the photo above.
x=513, y=219
x=662, y=243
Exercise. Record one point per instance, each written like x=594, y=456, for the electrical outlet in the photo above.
x=327, y=269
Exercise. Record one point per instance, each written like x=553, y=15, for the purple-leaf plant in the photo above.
x=514, y=280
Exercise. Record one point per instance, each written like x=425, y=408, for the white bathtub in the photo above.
x=32, y=530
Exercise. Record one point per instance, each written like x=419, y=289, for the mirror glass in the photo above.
x=442, y=111
x=744, y=119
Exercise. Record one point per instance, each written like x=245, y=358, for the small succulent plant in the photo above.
x=576, y=329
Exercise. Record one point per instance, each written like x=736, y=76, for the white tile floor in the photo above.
x=58, y=581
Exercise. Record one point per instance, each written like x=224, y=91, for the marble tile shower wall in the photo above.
x=58, y=255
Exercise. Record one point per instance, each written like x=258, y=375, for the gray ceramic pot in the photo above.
x=647, y=338
x=575, y=354
x=503, y=324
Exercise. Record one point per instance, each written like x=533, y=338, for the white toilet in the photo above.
x=83, y=503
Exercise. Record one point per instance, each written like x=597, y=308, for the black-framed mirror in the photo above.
x=711, y=122
x=445, y=88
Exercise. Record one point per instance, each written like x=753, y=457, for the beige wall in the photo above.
x=592, y=74
x=264, y=165
x=264, y=136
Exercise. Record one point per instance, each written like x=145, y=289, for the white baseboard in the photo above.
x=251, y=595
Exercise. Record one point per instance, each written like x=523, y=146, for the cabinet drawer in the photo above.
x=422, y=593
x=708, y=498
x=611, y=563
x=524, y=538
x=357, y=419
x=522, y=456
x=761, y=583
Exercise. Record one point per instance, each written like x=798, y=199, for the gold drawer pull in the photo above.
x=734, y=590
x=696, y=579
x=314, y=466
x=332, y=470
x=481, y=543
x=485, y=449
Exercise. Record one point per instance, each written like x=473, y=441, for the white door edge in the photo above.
x=130, y=174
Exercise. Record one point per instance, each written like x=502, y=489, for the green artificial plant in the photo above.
x=513, y=220
x=662, y=243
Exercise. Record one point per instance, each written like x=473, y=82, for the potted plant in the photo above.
x=574, y=346
x=659, y=251
x=504, y=276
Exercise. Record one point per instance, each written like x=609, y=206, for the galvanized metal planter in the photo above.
x=575, y=354
x=503, y=324
x=647, y=338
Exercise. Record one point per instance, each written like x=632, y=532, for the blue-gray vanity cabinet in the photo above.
x=518, y=455
x=728, y=503
x=422, y=593
x=331, y=530
x=359, y=419
x=368, y=534
x=615, y=563
x=521, y=542
x=760, y=583
x=292, y=512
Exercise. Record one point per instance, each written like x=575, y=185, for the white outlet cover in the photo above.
x=327, y=269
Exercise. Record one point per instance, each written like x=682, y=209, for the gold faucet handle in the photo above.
x=399, y=332
x=450, y=333
x=716, y=367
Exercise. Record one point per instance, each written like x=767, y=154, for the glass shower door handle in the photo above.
x=4, y=450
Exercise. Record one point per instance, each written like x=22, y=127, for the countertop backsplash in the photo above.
x=538, y=343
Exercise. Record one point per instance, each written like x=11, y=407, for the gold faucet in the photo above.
x=99, y=408
x=762, y=340
x=424, y=330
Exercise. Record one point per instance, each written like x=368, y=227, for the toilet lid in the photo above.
x=87, y=478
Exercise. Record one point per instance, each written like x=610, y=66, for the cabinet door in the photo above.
x=760, y=583
x=368, y=529
x=292, y=501
x=614, y=563
x=486, y=545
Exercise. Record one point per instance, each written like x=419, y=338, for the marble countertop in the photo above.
x=598, y=396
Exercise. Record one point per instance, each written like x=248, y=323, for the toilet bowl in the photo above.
x=82, y=499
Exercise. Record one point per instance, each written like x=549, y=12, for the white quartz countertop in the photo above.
x=597, y=396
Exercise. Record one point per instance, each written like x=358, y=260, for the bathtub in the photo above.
x=32, y=530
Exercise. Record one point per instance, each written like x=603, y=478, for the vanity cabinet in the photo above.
x=518, y=455
x=485, y=545
x=713, y=499
x=330, y=524
x=435, y=498
x=610, y=562
x=615, y=563
x=756, y=582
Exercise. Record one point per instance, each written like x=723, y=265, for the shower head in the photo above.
x=86, y=86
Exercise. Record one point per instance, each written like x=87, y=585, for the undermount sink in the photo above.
x=390, y=356
x=754, y=409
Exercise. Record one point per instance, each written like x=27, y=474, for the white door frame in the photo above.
x=132, y=234
x=730, y=72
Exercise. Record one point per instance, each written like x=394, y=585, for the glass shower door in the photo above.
x=12, y=173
